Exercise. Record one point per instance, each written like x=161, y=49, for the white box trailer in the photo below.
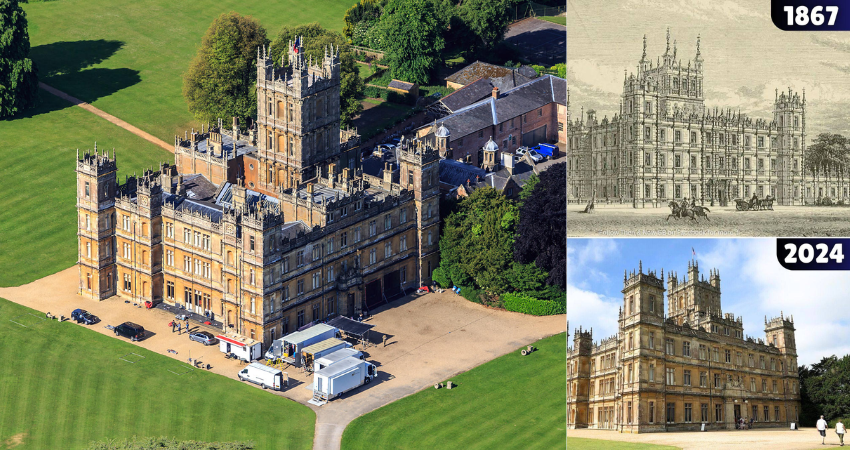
x=341, y=377
x=265, y=376
x=245, y=349
x=320, y=349
x=335, y=357
x=289, y=347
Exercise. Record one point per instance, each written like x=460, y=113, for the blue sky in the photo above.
x=746, y=56
x=753, y=284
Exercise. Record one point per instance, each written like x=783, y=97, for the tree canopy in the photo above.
x=542, y=236
x=412, y=36
x=368, y=11
x=220, y=82
x=316, y=40
x=825, y=389
x=18, y=73
x=487, y=19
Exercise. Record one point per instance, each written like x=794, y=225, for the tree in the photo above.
x=528, y=187
x=18, y=73
x=477, y=241
x=412, y=33
x=542, y=236
x=220, y=82
x=487, y=19
x=363, y=11
x=164, y=443
x=825, y=389
x=316, y=40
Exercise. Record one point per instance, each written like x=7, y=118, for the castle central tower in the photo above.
x=298, y=116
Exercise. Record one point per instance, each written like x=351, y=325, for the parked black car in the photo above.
x=204, y=337
x=131, y=331
x=83, y=316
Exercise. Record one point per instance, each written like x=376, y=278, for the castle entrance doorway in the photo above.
x=737, y=413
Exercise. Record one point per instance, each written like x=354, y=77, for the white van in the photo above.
x=265, y=376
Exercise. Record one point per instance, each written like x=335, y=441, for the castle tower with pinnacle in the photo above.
x=96, y=190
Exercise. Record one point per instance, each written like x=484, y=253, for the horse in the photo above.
x=700, y=211
x=678, y=211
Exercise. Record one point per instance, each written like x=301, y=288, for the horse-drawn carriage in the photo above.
x=754, y=204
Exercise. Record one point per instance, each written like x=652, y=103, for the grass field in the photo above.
x=128, y=58
x=364, y=71
x=560, y=20
x=511, y=402
x=64, y=386
x=37, y=195
x=599, y=444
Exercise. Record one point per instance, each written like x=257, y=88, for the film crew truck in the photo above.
x=265, y=376
x=335, y=357
x=288, y=348
x=245, y=349
x=320, y=349
x=340, y=378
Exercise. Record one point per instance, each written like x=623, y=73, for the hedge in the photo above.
x=441, y=278
x=528, y=305
x=471, y=294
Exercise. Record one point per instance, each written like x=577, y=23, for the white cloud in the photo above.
x=589, y=309
x=581, y=260
x=595, y=77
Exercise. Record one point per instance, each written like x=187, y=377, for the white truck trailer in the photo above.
x=320, y=349
x=335, y=357
x=340, y=378
x=288, y=348
x=265, y=376
x=245, y=349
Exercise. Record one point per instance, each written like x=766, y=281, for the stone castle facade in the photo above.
x=665, y=144
x=680, y=370
x=269, y=230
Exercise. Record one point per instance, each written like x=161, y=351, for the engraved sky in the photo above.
x=745, y=56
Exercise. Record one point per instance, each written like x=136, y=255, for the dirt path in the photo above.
x=142, y=134
x=773, y=438
x=430, y=338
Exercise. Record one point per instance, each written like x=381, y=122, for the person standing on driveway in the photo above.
x=839, y=430
x=179, y=329
x=821, y=426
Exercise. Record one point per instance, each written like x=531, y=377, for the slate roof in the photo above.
x=242, y=147
x=225, y=196
x=198, y=188
x=511, y=103
x=456, y=173
x=477, y=70
x=468, y=95
x=398, y=84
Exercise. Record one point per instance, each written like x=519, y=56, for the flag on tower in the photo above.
x=693, y=251
x=295, y=45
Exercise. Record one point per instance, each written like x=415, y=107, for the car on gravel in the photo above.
x=536, y=157
x=83, y=316
x=130, y=331
x=204, y=337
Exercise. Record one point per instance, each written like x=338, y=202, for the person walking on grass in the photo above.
x=821, y=426
x=839, y=430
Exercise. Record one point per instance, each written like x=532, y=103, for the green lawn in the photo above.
x=37, y=195
x=511, y=402
x=599, y=444
x=560, y=20
x=364, y=71
x=128, y=58
x=65, y=386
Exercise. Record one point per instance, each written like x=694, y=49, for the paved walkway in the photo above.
x=430, y=338
x=142, y=134
x=772, y=438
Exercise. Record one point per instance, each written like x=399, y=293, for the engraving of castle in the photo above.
x=681, y=369
x=269, y=230
x=665, y=144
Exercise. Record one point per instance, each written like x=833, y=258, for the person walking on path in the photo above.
x=839, y=430
x=821, y=426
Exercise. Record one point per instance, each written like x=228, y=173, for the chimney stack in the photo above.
x=235, y=129
x=508, y=162
x=495, y=92
x=388, y=174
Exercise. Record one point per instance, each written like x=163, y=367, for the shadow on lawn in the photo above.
x=63, y=65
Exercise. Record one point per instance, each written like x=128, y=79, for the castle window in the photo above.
x=187, y=264
x=402, y=243
x=540, y=112
x=270, y=140
x=430, y=241
x=88, y=223
x=300, y=318
x=651, y=373
x=652, y=340
x=763, y=385
x=317, y=310
x=703, y=379
x=291, y=147
x=251, y=245
x=87, y=190
x=88, y=249
x=402, y=215
x=677, y=161
x=716, y=354
x=169, y=289
x=300, y=286
x=330, y=245
x=718, y=413
x=187, y=236
x=410, y=178
x=728, y=354
x=693, y=137
x=403, y=275
x=677, y=136
x=357, y=235
x=761, y=361
x=670, y=350
x=671, y=376
x=388, y=221
x=796, y=121
x=343, y=239
x=317, y=280
x=388, y=250
x=647, y=134
x=717, y=380
x=733, y=139
x=686, y=349
x=761, y=141
x=372, y=256
x=270, y=110
x=126, y=222
x=127, y=283
x=688, y=412
x=372, y=228
x=169, y=258
x=317, y=252
x=285, y=295
x=773, y=361
x=331, y=276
